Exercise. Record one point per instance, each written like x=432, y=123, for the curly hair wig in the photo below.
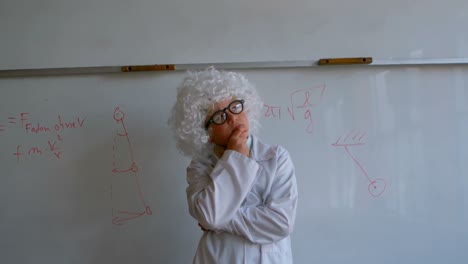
x=196, y=97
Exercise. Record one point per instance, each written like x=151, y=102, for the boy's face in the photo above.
x=220, y=134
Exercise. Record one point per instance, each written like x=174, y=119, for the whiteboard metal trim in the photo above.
x=229, y=65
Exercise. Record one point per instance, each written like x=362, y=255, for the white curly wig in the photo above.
x=197, y=95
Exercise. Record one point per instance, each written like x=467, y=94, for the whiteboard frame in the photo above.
x=228, y=65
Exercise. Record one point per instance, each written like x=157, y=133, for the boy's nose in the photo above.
x=230, y=117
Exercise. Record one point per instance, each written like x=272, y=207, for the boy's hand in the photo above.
x=219, y=150
x=238, y=140
x=202, y=228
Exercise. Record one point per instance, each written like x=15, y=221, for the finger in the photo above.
x=202, y=228
x=238, y=136
x=240, y=130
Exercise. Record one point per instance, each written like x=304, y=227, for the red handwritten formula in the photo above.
x=300, y=106
x=31, y=127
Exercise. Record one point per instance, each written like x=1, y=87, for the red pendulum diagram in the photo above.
x=126, y=195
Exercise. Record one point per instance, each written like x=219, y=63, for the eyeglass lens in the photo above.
x=235, y=107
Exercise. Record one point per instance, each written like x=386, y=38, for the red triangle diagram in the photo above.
x=127, y=198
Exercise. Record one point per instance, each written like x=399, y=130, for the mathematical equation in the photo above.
x=300, y=106
x=50, y=147
x=301, y=102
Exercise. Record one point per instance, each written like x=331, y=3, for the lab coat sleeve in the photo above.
x=274, y=220
x=214, y=195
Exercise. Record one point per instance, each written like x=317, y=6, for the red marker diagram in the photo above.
x=127, y=197
x=356, y=138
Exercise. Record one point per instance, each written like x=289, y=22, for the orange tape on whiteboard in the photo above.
x=345, y=61
x=156, y=67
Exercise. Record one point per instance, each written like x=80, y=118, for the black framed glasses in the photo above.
x=219, y=117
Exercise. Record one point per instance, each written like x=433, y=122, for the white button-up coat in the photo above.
x=248, y=204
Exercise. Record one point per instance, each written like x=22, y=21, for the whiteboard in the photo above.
x=86, y=33
x=380, y=152
x=380, y=160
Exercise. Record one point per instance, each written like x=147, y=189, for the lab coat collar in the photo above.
x=261, y=151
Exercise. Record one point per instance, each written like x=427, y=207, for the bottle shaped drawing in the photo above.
x=126, y=194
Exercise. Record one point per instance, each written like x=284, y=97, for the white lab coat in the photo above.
x=248, y=204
